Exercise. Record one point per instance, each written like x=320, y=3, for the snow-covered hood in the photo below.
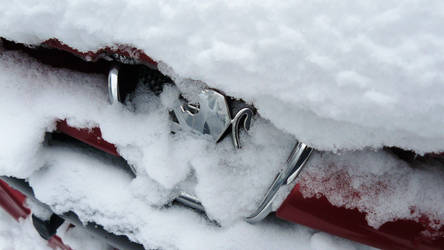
x=337, y=75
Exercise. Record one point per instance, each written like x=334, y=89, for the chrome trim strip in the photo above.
x=113, y=85
x=297, y=160
x=190, y=201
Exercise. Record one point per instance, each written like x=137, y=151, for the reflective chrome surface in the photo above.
x=296, y=161
x=113, y=85
x=242, y=117
x=212, y=116
x=190, y=201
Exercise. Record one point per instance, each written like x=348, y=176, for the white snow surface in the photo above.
x=335, y=74
x=378, y=184
x=338, y=75
x=35, y=96
x=19, y=235
x=229, y=182
x=101, y=191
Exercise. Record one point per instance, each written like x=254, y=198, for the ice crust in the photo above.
x=337, y=75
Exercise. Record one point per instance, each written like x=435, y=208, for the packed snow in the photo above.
x=337, y=75
x=19, y=235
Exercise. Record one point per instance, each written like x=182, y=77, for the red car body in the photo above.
x=13, y=202
x=316, y=212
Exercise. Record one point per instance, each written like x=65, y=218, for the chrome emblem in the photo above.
x=212, y=116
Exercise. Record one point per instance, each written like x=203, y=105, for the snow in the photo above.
x=229, y=182
x=368, y=180
x=23, y=236
x=19, y=235
x=78, y=238
x=337, y=75
x=323, y=241
x=142, y=137
x=99, y=191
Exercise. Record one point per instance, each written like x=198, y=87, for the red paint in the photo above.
x=13, y=201
x=435, y=155
x=92, y=137
x=320, y=214
x=122, y=50
x=55, y=242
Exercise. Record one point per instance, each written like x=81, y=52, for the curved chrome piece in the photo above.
x=212, y=116
x=113, y=85
x=244, y=115
x=296, y=161
x=190, y=201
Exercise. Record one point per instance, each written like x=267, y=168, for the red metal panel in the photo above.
x=320, y=214
x=92, y=137
x=55, y=242
x=13, y=201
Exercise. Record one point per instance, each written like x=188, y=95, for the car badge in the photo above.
x=212, y=116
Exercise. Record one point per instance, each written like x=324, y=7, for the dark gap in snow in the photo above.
x=410, y=156
x=130, y=75
x=58, y=58
x=56, y=139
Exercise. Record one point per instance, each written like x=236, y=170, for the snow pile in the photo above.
x=19, y=236
x=337, y=75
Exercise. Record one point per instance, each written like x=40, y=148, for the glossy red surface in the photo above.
x=320, y=214
x=55, y=242
x=92, y=137
x=122, y=50
x=13, y=201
